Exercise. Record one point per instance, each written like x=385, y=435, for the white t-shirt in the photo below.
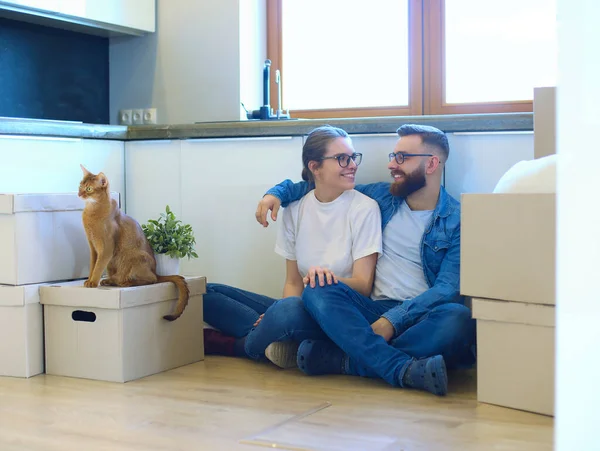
x=399, y=273
x=332, y=234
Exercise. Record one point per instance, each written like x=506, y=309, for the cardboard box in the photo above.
x=508, y=247
x=515, y=354
x=42, y=238
x=119, y=334
x=544, y=121
x=21, y=331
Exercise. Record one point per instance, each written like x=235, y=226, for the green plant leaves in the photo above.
x=168, y=235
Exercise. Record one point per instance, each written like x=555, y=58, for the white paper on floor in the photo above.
x=314, y=431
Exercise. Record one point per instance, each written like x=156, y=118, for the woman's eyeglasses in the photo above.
x=343, y=159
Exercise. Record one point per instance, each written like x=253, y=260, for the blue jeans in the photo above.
x=346, y=317
x=234, y=311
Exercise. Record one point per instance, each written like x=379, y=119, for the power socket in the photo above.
x=125, y=117
x=137, y=117
x=149, y=116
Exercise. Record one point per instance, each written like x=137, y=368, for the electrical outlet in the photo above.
x=125, y=117
x=137, y=117
x=150, y=116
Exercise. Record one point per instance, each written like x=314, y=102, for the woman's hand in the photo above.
x=324, y=275
x=259, y=320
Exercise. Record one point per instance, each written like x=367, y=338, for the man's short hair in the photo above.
x=430, y=136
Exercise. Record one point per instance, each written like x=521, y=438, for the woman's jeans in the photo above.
x=234, y=312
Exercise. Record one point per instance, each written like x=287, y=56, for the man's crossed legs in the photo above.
x=418, y=357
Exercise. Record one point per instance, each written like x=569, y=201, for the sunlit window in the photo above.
x=344, y=54
x=401, y=57
x=499, y=50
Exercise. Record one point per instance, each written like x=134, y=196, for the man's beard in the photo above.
x=410, y=182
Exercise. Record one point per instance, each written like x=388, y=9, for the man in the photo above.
x=414, y=325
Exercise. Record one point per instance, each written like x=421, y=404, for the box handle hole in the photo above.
x=80, y=315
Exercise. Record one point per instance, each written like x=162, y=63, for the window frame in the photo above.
x=415, y=76
x=427, y=70
x=435, y=71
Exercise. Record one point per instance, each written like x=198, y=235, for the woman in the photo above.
x=333, y=227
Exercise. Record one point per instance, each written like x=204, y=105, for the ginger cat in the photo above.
x=117, y=243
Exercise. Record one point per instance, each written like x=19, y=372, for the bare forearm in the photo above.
x=364, y=287
x=290, y=289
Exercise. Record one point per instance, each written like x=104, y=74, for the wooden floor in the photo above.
x=229, y=404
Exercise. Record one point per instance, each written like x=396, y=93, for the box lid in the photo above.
x=19, y=295
x=514, y=312
x=116, y=297
x=11, y=203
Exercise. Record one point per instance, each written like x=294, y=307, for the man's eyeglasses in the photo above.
x=343, y=159
x=400, y=156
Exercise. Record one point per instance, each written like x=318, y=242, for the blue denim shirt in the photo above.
x=440, y=248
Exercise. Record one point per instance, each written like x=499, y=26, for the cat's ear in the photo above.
x=102, y=179
x=85, y=171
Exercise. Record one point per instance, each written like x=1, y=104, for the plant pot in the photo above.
x=166, y=266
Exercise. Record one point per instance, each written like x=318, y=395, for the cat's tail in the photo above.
x=184, y=295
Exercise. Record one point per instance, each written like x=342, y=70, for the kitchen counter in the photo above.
x=63, y=129
x=254, y=128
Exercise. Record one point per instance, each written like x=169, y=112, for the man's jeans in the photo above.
x=234, y=312
x=345, y=316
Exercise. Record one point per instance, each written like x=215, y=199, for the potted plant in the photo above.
x=171, y=241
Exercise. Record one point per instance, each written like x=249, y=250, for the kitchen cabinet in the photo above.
x=215, y=185
x=375, y=149
x=476, y=163
x=139, y=15
x=153, y=178
x=478, y=160
x=128, y=17
x=51, y=165
x=69, y=7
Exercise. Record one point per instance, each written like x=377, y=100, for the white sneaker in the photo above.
x=283, y=353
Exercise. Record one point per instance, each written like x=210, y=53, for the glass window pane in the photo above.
x=499, y=51
x=344, y=54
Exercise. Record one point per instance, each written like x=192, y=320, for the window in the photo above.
x=410, y=57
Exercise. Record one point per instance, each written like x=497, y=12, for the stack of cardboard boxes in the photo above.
x=50, y=323
x=508, y=245
x=507, y=267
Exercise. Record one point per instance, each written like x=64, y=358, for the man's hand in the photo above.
x=324, y=275
x=384, y=328
x=267, y=203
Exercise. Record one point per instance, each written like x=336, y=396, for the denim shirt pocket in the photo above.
x=435, y=251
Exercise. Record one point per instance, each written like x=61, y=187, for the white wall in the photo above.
x=194, y=68
x=578, y=223
x=253, y=52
